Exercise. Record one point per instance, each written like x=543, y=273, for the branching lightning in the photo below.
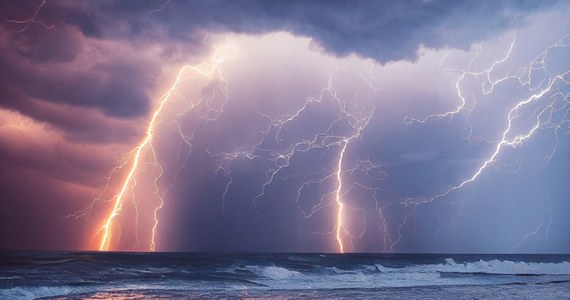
x=321, y=165
x=106, y=227
x=538, y=93
x=344, y=122
x=463, y=74
x=324, y=141
x=106, y=230
x=33, y=20
x=539, y=227
x=547, y=95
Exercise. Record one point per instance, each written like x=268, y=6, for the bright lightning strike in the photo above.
x=512, y=114
x=339, y=224
x=330, y=187
x=326, y=140
x=106, y=230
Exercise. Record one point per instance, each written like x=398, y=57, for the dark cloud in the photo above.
x=48, y=69
x=66, y=65
x=383, y=30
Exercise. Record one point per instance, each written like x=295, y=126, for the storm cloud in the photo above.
x=251, y=168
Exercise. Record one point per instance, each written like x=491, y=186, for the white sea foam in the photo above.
x=494, y=266
x=372, y=276
x=21, y=293
x=416, y=275
x=35, y=292
x=279, y=273
x=507, y=267
x=273, y=272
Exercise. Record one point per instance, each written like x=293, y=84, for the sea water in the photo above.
x=99, y=275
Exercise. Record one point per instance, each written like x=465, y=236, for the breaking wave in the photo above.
x=42, y=275
x=491, y=267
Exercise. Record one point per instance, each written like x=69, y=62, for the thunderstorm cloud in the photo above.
x=416, y=95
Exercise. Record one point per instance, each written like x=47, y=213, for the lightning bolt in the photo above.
x=339, y=221
x=161, y=7
x=463, y=102
x=106, y=227
x=326, y=140
x=33, y=20
x=505, y=141
x=547, y=93
x=340, y=227
x=275, y=148
x=512, y=115
x=540, y=226
x=106, y=230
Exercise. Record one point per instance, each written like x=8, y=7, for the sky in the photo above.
x=292, y=126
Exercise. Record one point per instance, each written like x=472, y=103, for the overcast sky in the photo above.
x=323, y=126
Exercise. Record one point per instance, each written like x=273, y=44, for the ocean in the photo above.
x=123, y=275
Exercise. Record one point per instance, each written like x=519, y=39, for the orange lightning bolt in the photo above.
x=107, y=228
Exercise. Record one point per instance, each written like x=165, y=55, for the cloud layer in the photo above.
x=80, y=80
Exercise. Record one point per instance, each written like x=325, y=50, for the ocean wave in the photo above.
x=270, y=272
x=52, y=262
x=291, y=272
x=10, y=277
x=446, y=273
x=38, y=292
x=490, y=267
x=509, y=267
x=411, y=272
